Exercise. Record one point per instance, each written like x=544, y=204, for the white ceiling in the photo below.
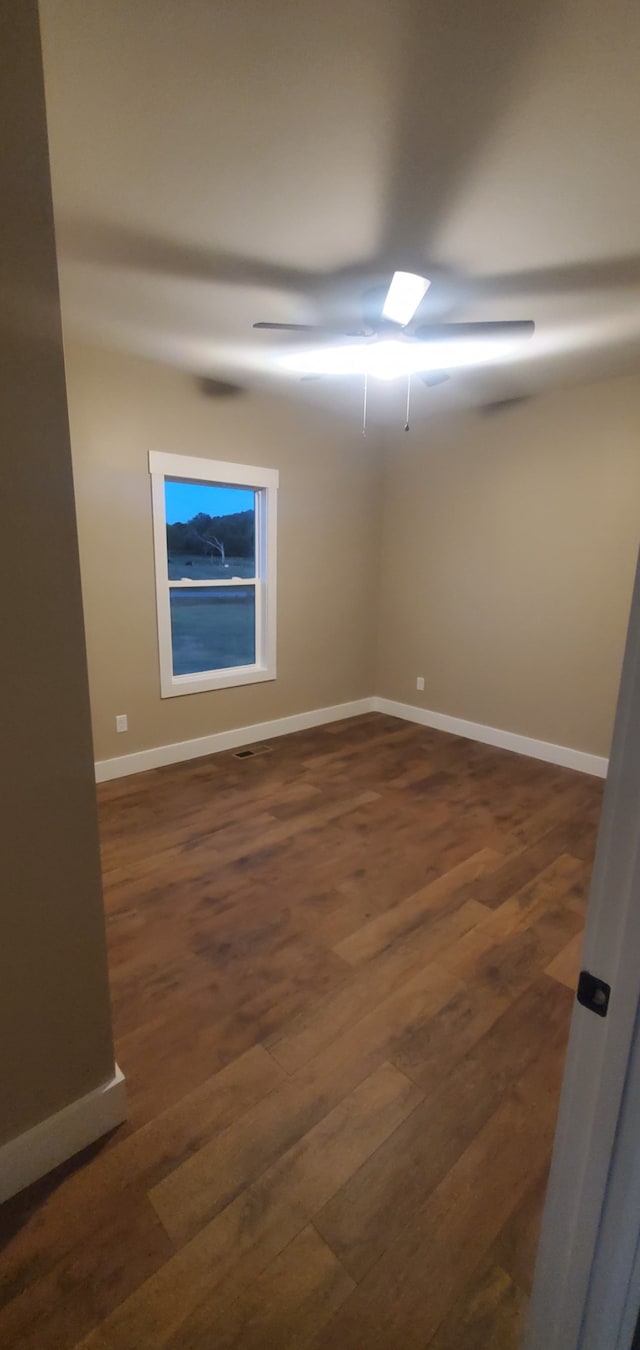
x=220, y=161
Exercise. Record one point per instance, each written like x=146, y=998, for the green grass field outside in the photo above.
x=211, y=629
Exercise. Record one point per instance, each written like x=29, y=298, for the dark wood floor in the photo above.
x=342, y=979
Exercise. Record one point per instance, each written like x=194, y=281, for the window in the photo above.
x=214, y=527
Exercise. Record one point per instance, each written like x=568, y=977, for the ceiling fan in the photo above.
x=393, y=346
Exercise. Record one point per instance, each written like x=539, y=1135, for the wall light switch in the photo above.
x=121, y=722
x=420, y=682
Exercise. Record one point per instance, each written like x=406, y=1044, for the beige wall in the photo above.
x=55, y=1037
x=328, y=536
x=509, y=551
x=502, y=571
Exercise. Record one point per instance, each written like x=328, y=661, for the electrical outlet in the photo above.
x=420, y=682
x=121, y=722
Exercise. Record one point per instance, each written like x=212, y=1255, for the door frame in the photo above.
x=588, y=1266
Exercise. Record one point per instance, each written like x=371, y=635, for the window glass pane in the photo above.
x=210, y=530
x=213, y=629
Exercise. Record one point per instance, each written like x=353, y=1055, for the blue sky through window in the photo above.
x=183, y=501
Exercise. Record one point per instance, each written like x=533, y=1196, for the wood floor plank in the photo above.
x=409, y=1291
x=372, y=1210
x=233, y=843
x=97, y=1274
x=565, y=966
x=239, y=1154
x=432, y=1050
x=490, y=1315
x=517, y=1244
x=562, y=881
x=327, y=1019
x=294, y=1298
x=197, y=1028
x=214, y=1267
x=94, y=1195
x=521, y=867
x=551, y=900
x=436, y=898
x=277, y=950
x=573, y=799
x=196, y=821
x=508, y=963
x=330, y=1149
x=383, y=1031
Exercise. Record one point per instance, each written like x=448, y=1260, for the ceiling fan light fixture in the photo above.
x=389, y=360
x=383, y=360
x=403, y=297
x=392, y=358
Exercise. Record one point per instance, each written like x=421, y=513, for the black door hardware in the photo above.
x=593, y=993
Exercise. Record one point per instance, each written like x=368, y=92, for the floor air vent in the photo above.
x=250, y=752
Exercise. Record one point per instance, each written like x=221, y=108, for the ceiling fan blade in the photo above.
x=503, y=404
x=213, y=388
x=434, y=377
x=445, y=332
x=311, y=328
x=405, y=293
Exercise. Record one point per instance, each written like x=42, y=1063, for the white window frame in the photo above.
x=264, y=482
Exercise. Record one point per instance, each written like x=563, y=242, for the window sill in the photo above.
x=224, y=679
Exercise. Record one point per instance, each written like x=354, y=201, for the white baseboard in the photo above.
x=226, y=740
x=506, y=740
x=283, y=726
x=57, y=1138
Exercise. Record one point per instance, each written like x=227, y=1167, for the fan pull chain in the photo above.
x=406, y=425
x=364, y=406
